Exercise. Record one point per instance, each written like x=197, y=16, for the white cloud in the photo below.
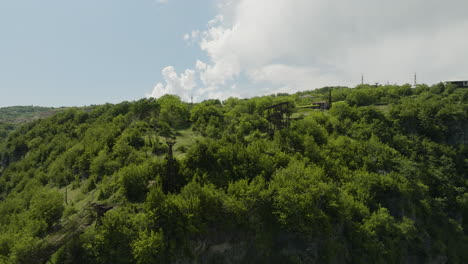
x=218, y=19
x=291, y=78
x=291, y=45
x=182, y=85
x=193, y=37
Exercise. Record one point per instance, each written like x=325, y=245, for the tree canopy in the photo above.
x=380, y=177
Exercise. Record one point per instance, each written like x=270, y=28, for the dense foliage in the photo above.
x=381, y=177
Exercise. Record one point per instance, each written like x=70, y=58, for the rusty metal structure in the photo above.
x=100, y=210
x=323, y=105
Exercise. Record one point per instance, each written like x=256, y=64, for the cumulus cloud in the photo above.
x=181, y=85
x=290, y=45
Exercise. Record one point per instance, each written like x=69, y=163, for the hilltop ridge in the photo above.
x=379, y=177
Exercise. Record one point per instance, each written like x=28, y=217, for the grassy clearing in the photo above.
x=76, y=198
x=302, y=112
x=185, y=139
x=383, y=108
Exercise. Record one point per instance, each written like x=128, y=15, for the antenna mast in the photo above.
x=415, y=80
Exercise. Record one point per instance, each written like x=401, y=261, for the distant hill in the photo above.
x=23, y=114
x=14, y=116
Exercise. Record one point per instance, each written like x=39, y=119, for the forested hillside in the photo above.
x=13, y=116
x=380, y=177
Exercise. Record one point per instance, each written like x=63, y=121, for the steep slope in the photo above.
x=227, y=183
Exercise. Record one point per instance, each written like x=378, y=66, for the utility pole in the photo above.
x=66, y=195
x=415, y=80
x=362, y=78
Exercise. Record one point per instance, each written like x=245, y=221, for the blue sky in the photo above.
x=63, y=52
x=74, y=53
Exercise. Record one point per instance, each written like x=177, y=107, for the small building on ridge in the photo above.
x=460, y=84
